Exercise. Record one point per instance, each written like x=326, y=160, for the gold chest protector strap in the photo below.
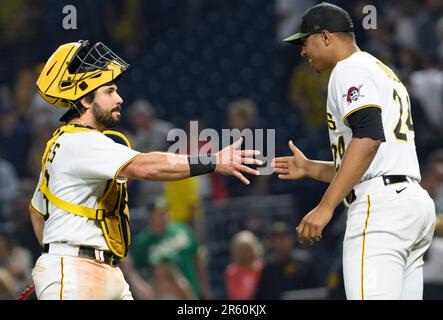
x=112, y=212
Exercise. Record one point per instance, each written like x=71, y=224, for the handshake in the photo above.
x=231, y=161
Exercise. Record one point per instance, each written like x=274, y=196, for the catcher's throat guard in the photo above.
x=112, y=213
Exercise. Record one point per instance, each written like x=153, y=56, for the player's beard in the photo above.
x=105, y=118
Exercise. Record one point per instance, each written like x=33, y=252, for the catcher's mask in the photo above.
x=76, y=69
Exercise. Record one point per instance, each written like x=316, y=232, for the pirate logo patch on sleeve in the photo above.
x=353, y=94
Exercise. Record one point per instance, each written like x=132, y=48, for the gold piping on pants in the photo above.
x=368, y=212
x=62, y=277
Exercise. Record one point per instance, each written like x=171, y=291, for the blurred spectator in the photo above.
x=184, y=204
x=19, y=221
x=149, y=134
x=42, y=130
x=288, y=16
x=24, y=88
x=140, y=288
x=39, y=112
x=432, y=181
x=9, y=186
x=426, y=27
x=404, y=13
x=15, y=138
x=209, y=186
x=170, y=284
x=307, y=92
x=185, y=197
x=163, y=240
x=409, y=60
x=38, y=118
x=287, y=268
x=427, y=87
x=433, y=265
x=17, y=261
x=6, y=285
x=380, y=41
x=426, y=135
x=243, y=114
x=243, y=274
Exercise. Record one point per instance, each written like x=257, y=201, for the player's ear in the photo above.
x=85, y=102
x=326, y=37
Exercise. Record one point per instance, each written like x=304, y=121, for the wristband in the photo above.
x=202, y=164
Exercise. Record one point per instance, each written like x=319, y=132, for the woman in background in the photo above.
x=243, y=274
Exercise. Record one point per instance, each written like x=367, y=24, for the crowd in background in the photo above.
x=223, y=64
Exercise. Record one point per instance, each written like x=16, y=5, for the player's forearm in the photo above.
x=320, y=170
x=357, y=159
x=158, y=166
x=38, y=223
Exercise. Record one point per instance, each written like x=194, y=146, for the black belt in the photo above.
x=88, y=252
x=387, y=180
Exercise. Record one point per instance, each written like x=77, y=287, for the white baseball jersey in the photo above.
x=389, y=227
x=79, y=167
x=361, y=81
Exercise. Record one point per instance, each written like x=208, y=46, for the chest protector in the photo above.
x=112, y=213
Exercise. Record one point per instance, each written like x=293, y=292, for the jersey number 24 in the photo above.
x=399, y=134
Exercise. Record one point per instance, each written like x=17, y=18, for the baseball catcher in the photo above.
x=79, y=210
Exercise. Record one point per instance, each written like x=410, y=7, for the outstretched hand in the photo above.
x=290, y=167
x=231, y=161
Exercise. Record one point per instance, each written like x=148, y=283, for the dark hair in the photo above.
x=77, y=107
x=89, y=98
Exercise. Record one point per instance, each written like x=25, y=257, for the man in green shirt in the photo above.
x=173, y=242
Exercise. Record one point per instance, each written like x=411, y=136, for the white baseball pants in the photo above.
x=62, y=277
x=388, y=230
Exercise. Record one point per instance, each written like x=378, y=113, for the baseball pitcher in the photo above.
x=391, y=218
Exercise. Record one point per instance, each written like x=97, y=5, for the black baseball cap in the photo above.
x=324, y=16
